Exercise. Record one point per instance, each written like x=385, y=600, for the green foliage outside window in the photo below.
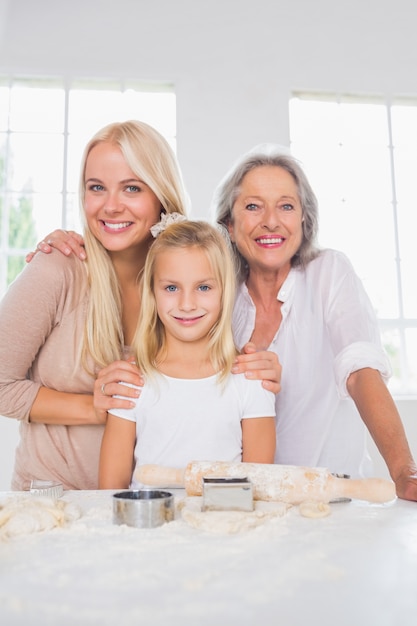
x=21, y=227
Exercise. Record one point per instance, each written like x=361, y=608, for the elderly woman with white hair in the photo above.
x=309, y=307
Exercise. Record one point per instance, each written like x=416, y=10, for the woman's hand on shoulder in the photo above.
x=66, y=241
x=109, y=383
x=263, y=365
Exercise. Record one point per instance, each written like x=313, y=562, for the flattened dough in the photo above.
x=314, y=509
x=32, y=514
x=228, y=522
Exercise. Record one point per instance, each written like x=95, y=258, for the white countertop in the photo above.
x=356, y=567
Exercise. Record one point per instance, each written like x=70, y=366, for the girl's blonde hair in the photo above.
x=149, y=342
x=152, y=160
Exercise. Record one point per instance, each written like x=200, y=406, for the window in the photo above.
x=360, y=154
x=44, y=126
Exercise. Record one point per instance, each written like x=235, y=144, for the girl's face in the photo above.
x=187, y=294
x=120, y=209
x=267, y=219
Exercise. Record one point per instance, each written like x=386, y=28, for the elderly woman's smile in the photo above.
x=266, y=223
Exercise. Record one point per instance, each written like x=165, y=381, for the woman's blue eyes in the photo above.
x=129, y=188
x=173, y=288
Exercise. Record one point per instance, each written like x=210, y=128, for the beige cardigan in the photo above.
x=41, y=329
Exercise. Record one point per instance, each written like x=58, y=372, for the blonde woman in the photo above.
x=64, y=319
x=191, y=406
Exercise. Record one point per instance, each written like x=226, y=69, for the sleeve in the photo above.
x=28, y=312
x=352, y=324
x=258, y=402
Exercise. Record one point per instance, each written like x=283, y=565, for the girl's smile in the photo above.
x=187, y=295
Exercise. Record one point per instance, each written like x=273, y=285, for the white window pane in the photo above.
x=89, y=110
x=363, y=124
x=411, y=353
x=405, y=168
x=72, y=213
x=36, y=162
x=156, y=109
x=20, y=226
x=3, y=164
x=313, y=122
x=76, y=145
x=392, y=345
x=37, y=110
x=47, y=213
x=4, y=108
x=404, y=124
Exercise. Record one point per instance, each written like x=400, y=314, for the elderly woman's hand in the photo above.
x=263, y=365
x=406, y=484
x=109, y=383
x=66, y=241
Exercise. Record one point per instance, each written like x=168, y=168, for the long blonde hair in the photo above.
x=152, y=160
x=149, y=341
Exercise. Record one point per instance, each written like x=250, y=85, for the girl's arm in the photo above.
x=379, y=413
x=117, y=453
x=66, y=241
x=263, y=365
x=258, y=440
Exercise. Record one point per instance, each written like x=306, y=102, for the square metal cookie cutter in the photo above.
x=227, y=494
x=335, y=500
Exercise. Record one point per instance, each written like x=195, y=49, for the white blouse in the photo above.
x=328, y=331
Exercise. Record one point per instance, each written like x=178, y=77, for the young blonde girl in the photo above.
x=191, y=406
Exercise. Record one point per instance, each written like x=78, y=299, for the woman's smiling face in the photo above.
x=120, y=208
x=267, y=217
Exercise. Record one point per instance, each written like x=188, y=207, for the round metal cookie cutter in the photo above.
x=147, y=508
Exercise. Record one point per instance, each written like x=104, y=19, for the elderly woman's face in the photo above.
x=267, y=218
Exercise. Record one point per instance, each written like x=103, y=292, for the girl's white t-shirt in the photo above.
x=181, y=420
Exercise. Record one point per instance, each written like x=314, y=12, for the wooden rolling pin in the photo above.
x=284, y=483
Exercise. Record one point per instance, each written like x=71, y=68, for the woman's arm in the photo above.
x=379, y=413
x=32, y=310
x=258, y=440
x=263, y=365
x=66, y=241
x=58, y=407
x=75, y=409
x=117, y=453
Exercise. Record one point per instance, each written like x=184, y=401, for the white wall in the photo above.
x=234, y=64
